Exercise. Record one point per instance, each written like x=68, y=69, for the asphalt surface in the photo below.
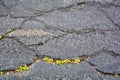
x=37, y=34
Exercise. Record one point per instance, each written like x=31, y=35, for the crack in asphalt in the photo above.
x=107, y=15
x=76, y=5
x=79, y=5
x=82, y=58
x=41, y=13
x=66, y=32
x=78, y=32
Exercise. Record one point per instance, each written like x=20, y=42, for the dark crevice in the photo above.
x=73, y=6
x=23, y=44
x=102, y=72
x=78, y=32
x=41, y=13
x=112, y=53
x=25, y=20
x=4, y=15
x=16, y=17
x=67, y=8
x=107, y=15
x=46, y=41
x=66, y=32
x=37, y=44
x=82, y=58
x=113, y=22
x=17, y=28
x=109, y=52
x=106, y=73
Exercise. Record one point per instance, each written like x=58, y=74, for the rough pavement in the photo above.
x=60, y=39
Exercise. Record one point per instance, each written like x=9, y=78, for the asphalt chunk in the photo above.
x=34, y=32
x=74, y=45
x=87, y=18
x=13, y=55
x=7, y=24
x=106, y=63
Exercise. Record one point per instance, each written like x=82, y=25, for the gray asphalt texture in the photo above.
x=60, y=29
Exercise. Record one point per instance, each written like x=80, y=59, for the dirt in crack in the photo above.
x=58, y=61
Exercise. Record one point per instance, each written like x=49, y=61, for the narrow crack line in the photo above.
x=107, y=73
x=75, y=60
x=107, y=15
x=68, y=8
x=58, y=61
x=37, y=44
x=112, y=53
x=23, y=44
x=102, y=72
x=66, y=32
x=46, y=25
x=4, y=35
x=41, y=13
x=70, y=60
x=25, y=20
x=87, y=31
x=109, y=52
x=46, y=41
x=42, y=57
x=113, y=22
x=77, y=32
x=4, y=15
x=17, y=28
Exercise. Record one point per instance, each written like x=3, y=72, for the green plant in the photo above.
x=1, y=36
x=1, y=73
x=22, y=68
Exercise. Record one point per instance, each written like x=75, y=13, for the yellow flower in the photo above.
x=1, y=73
x=22, y=68
x=76, y=61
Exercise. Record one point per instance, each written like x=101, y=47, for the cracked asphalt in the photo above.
x=87, y=30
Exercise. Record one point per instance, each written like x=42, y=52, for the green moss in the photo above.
x=48, y=60
x=61, y=62
x=1, y=73
x=22, y=68
x=116, y=75
x=1, y=36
